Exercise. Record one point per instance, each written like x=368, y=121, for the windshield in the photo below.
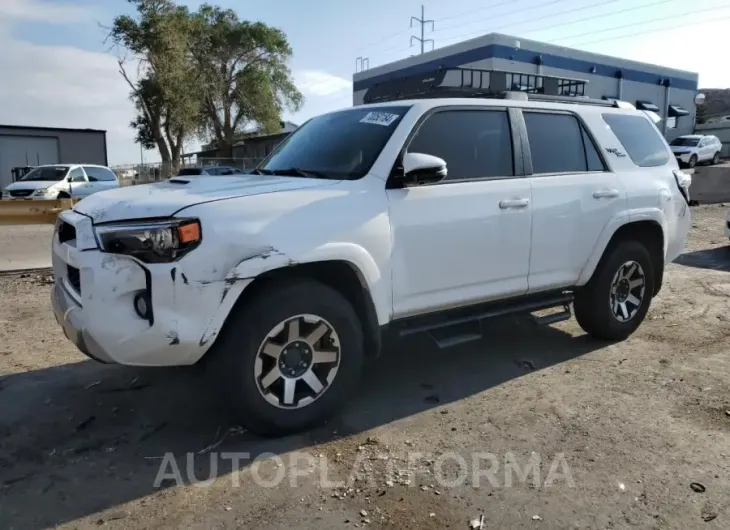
x=48, y=173
x=190, y=171
x=343, y=144
x=685, y=141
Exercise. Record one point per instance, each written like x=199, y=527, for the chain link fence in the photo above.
x=130, y=174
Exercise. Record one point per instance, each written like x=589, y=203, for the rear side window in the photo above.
x=99, y=174
x=559, y=144
x=640, y=139
x=474, y=143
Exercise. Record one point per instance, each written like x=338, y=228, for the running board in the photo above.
x=552, y=318
x=461, y=325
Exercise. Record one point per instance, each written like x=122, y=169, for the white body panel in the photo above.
x=415, y=249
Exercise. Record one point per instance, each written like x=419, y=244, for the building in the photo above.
x=249, y=150
x=34, y=146
x=669, y=92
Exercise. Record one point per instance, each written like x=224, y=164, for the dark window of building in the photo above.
x=557, y=144
x=640, y=139
x=474, y=144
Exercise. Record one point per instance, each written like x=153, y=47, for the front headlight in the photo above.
x=40, y=192
x=153, y=242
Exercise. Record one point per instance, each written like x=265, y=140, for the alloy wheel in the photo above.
x=627, y=291
x=297, y=361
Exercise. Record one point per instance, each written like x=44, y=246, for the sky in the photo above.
x=57, y=71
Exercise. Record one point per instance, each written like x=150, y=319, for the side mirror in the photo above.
x=69, y=179
x=420, y=168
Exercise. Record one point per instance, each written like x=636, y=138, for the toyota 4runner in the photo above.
x=378, y=221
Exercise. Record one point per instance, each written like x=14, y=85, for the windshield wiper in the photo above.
x=308, y=173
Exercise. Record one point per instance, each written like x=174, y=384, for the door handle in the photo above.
x=605, y=194
x=514, y=203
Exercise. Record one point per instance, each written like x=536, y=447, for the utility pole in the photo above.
x=422, y=21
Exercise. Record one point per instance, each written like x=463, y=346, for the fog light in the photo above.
x=142, y=306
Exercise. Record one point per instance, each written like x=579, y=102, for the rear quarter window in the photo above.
x=639, y=138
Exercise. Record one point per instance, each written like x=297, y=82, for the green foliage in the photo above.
x=207, y=73
x=243, y=72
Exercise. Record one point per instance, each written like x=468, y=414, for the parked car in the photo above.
x=693, y=149
x=368, y=224
x=59, y=181
x=210, y=170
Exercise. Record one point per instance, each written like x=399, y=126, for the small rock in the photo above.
x=477, y=524
x=366, y=520
x=389, y=483
x=697, y=487
x=621, y=486
x=536, y=518
x=409, y=443
x=228, y=508
x=432, y=514
x=727, y=413
x=363, y=513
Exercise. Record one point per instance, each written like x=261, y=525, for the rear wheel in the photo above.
x=616, y=299
x=290, y=358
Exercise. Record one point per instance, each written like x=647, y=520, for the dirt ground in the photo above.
x=635, y=434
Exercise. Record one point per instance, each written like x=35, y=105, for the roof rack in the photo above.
x=455, y=82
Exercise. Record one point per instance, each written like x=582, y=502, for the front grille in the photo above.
x=20, y=193
x=74, y=278
x=66, y=232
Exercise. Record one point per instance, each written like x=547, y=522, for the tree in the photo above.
x=243, y=73
x=165, y=93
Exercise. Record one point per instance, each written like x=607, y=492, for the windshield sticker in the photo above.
x=385, y=119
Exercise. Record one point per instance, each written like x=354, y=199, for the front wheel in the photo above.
x=616, y=299
x=290, y=358
x=63, y=195
x=692, y=161
x=715, y=159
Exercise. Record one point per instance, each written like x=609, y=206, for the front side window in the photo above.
x=640, y=139
x=342, y=144
x=558, y=144
x=77, y=175
x=474, y=143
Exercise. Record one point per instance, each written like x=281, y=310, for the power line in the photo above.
x=693, y=12
x=570, y=22
x=502, y=15
x=491, y=6
x=683, y=25
x=422, y=21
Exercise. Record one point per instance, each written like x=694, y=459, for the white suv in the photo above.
x=369, y=223
x=693, y=149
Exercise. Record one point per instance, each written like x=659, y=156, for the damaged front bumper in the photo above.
x=93, y=301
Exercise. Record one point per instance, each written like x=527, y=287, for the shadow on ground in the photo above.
x=712, y=258
x=87, y=437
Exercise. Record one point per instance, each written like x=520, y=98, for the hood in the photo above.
x=30, y=185
x=163, y=199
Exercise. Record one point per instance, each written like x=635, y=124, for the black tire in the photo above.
x=692, y=161
x=593, y=302
x=234, y=356
x=715, y=159
x=63, y=195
